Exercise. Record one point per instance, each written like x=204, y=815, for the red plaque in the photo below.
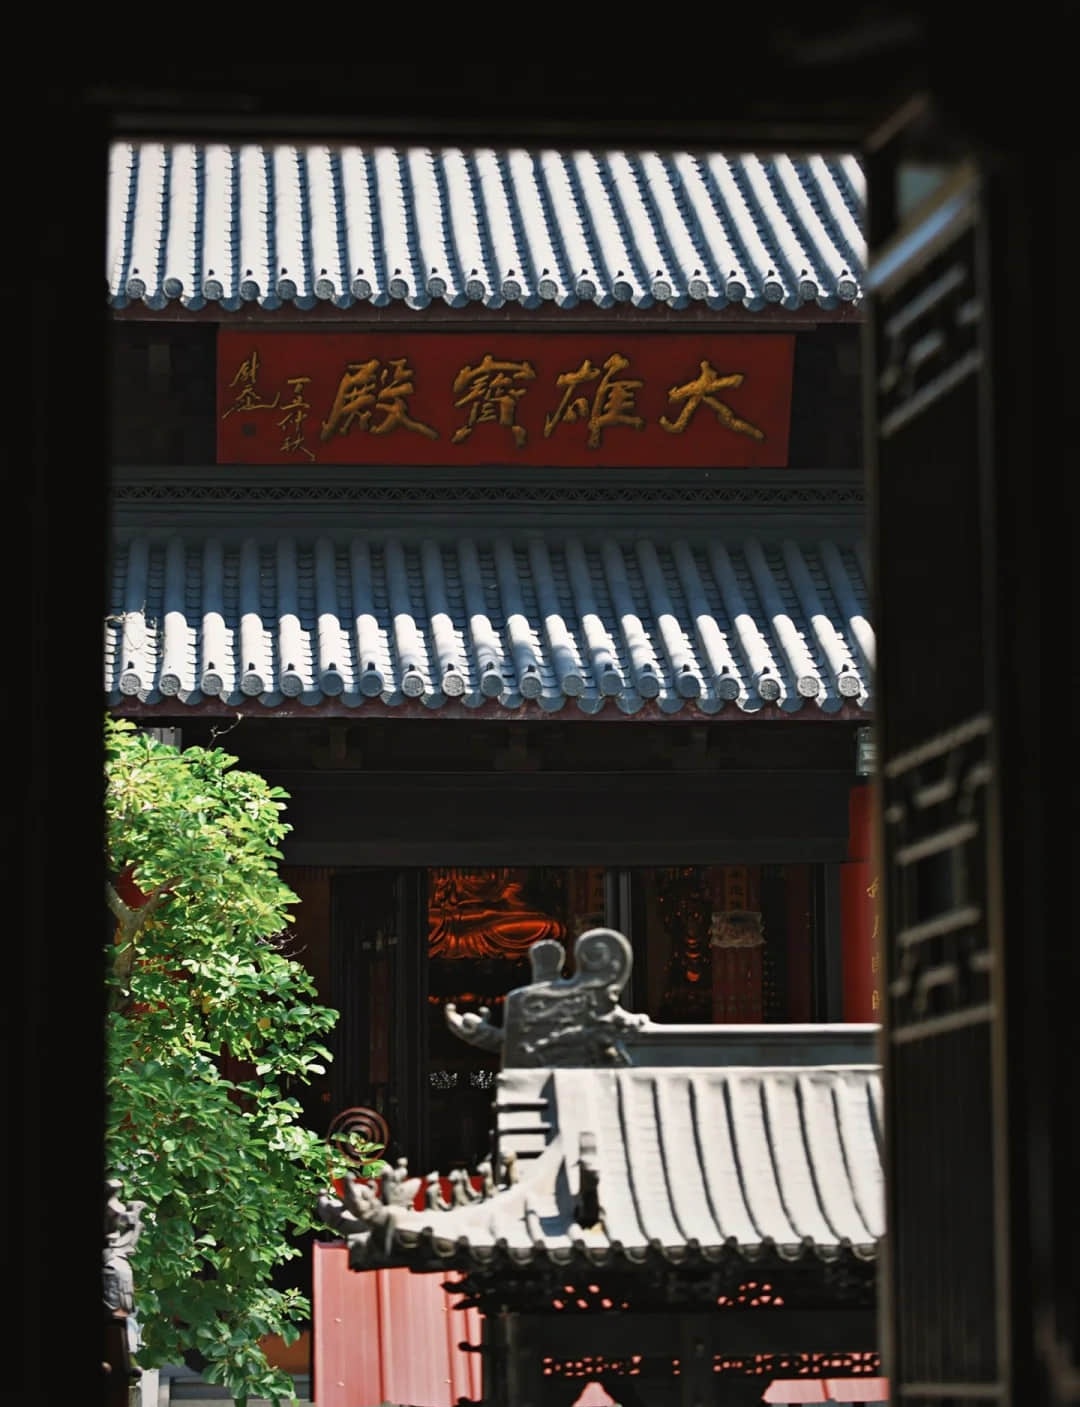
x=686, y=400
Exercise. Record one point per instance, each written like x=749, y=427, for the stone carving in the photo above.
x=557, y=1020
x=398, y=1188
x=379, y=1204
x=462, y=1190
x=123, y=1225
x=433, y=1197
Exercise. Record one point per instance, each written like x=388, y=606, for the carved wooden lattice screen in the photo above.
x=946, y=1339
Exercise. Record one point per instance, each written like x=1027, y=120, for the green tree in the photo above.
x=212, y=1027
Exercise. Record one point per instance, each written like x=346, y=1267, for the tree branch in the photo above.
x=129, y=923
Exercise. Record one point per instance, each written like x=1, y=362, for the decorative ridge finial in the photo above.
x=557, y=1020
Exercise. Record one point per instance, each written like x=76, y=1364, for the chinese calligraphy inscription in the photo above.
x=611, y=404
x=490, y=393
x=546, y=399
x=700, y=392
x=377, y=398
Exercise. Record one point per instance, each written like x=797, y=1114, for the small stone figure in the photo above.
x=433, y=1197
x=123, y=1225
x=398, y=1188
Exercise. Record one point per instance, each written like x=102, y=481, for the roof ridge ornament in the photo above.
x=370, y=1204
x=559, y=1021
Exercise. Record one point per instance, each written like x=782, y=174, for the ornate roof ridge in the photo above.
x=609, y=1152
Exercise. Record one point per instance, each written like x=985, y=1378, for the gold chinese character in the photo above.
x=875, y=963
x=872, y=889
x=248, y=397
x=700, y=392
x=875, y=1001
x=292, y=422
x=611, y=405
x=489, y=392
x=368, y=388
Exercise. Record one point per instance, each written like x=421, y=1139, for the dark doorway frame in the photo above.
x=867, y=60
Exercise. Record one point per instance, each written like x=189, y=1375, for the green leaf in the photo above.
x=230, y=1174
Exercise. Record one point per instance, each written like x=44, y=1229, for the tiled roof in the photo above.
x=199, y=224
x=532, y=622
x=690, y=1163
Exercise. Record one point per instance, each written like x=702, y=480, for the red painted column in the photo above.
x=858, y=912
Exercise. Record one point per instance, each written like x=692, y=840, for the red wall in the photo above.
x=388, y=1336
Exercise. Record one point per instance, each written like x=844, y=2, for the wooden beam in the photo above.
x=730, y=1331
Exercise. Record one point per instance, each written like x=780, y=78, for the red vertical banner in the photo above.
x=859, y=918
x=736, y=941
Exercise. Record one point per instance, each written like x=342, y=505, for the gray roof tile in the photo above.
x=690, y=1163
x=544, y=621
x=235, y=225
